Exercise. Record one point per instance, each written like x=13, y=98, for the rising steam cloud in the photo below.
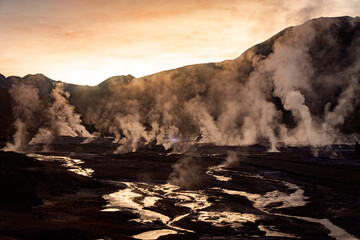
x=38, y=121
x=300, y=87
x=232, y=159
x=187, y=173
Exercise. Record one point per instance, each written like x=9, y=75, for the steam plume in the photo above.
x=26, y=106
x=38, y=121
x=187, y=173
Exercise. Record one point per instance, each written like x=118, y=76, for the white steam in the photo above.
x=26, y=108
x=187, y=173
x=37, y=122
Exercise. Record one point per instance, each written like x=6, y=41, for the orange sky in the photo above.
x=87, y=41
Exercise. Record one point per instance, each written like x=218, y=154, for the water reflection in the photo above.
x=271, y=231
x=223, y=219
x=72, y=164
x=139, y=197
x=295, y=199
x=155, y=234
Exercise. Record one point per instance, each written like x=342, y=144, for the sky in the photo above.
x=87, y=41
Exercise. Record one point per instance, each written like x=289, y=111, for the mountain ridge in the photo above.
x=300, y=86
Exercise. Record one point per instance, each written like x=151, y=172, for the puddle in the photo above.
x=138, y=196
x=270, y=231
x=128, y=199
x=73, y=165
x=155, y=234
x=211, y=171
x=335, y=231
x=192, y=200
x=222, y=178
x=223, y=219
x=110, y=210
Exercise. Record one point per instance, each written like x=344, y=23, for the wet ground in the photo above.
x=76, y=190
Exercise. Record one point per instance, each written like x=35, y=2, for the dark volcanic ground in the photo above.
x=289, y=194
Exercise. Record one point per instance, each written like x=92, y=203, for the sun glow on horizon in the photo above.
x=93, y=73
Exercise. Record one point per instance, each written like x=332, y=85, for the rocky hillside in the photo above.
x=300, y=87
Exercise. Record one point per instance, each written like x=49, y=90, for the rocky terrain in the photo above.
x=223, y=192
